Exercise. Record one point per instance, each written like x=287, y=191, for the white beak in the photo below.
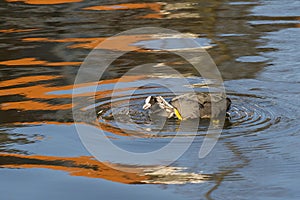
x=147, y=103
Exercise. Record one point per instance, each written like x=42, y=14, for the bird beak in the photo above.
x=147, y=104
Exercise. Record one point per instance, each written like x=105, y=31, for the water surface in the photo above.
x=255, y=45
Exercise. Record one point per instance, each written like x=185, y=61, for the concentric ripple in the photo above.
x=131, y=118
x=248, y=115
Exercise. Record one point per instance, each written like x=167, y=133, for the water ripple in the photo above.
x=248, y=115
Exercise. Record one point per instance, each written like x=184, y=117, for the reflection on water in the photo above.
x=33, y=61
x=7, y=140
x=91, y=168
x=254, y=44
x=78, y=166
x=40, y=2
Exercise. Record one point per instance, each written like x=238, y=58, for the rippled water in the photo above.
x=255, y=45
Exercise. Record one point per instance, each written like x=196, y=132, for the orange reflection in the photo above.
x=298, y=25
x=63, y=40
x=116, y=43
x=34, y=61
x=17, y=30
x=33, y=105
x=128, y=6
x=38, y=97
x=45, y=92
x=87, y=43
x=43, y=2
x=152, y=16
x=75, y=166
x=27, y=79
x=86, y=166
x=112, y=129
x=43, y=122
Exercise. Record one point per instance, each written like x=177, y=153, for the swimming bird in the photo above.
x=189, y=106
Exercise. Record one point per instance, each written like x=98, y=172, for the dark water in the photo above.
x=255, y=45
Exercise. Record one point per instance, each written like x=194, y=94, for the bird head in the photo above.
x=150, y=101
x=158, y=104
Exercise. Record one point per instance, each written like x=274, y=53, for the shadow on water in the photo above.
x=254, y=44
